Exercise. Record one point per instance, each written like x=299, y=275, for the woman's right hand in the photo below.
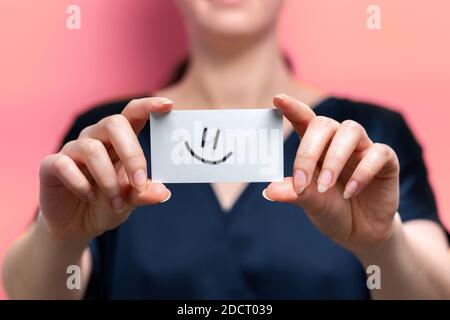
x=94, y=182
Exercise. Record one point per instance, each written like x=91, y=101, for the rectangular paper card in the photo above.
x=239, y=145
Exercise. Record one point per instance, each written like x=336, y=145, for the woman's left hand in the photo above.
x=347, y=185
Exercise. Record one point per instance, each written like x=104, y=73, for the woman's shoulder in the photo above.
x=105, y=109
x=95, y=114
x=361, y=111
x=383, y=124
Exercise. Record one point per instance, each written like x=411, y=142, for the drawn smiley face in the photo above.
x=202, y=159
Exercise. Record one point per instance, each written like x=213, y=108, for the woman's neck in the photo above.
x=236, y=73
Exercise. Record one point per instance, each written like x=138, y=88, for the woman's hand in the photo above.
x=347, y=185
x=94, y=182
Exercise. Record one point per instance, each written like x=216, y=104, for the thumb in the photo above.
x=310, y=199
x=327, y=211
x=154, y=193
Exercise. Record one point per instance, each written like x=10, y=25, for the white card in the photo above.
x=239, y=145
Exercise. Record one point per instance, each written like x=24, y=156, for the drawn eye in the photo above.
x=203, y=144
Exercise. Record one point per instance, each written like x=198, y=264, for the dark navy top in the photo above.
x=189, y=247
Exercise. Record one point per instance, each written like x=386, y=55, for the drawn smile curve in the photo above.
x=196, y=156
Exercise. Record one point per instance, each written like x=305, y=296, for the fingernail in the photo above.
x=140, y=180
x=91, y=196
x=117, y=203
x=324, y=181
x=165, y=101
x=169, y=195
x=264, y=194
x=350, y=189
x=299, y=181
x=281, y=96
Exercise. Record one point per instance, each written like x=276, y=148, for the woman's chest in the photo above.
x=258, y=250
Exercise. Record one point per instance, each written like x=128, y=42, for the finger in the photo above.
x=349, y=138
x=137, y=110
x=117, y=131
x=298, y=113
x=380, y=160
x=65, y=170
x=92, y=153
x=154, y=193
x=312, y=145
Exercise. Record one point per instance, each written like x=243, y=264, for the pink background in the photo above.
x=49, y=73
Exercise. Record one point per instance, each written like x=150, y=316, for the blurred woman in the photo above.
x=356, y=191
